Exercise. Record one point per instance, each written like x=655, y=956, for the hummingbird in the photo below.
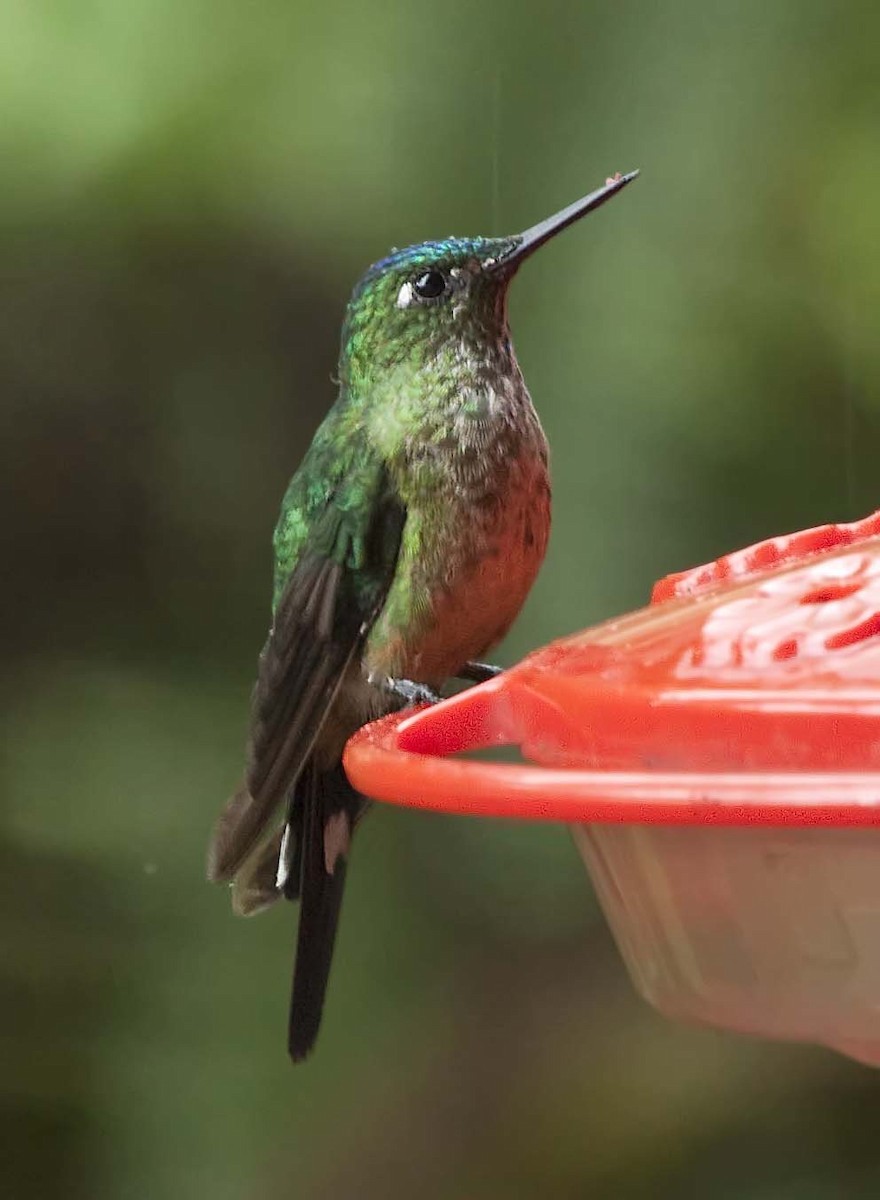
x=406, y=544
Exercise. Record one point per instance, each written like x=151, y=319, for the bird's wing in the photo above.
x=330, y=600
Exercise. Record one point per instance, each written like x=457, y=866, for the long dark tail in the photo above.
x=329, y=809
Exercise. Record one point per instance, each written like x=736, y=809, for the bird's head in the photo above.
x=444, y=297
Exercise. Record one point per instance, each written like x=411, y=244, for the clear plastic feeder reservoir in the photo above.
x=718, y=758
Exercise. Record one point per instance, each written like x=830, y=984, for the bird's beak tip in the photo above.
x=524, y=244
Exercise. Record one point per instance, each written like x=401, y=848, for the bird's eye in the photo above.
x=430, y=285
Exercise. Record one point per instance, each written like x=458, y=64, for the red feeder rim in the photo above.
x=750, y=695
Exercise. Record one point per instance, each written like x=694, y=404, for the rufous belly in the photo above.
x=481, y=577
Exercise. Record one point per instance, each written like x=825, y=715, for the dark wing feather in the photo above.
x=255, y=885
x=332, y=597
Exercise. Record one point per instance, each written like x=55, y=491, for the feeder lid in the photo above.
x=748, y=692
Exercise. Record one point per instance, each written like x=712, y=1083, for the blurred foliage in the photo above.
x=190, y=189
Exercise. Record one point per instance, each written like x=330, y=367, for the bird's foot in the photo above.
x=477, y=672
x=409, y=692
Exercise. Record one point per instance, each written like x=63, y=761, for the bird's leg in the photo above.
x=477, y=672
x=409, y=692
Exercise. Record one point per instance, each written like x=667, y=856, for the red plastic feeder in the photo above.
x=718, y=758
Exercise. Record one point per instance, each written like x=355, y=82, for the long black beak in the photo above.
x=527, y=243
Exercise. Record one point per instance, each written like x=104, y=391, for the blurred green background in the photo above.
x=190, y=189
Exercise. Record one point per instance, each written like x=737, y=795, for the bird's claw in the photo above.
x=477, y=672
